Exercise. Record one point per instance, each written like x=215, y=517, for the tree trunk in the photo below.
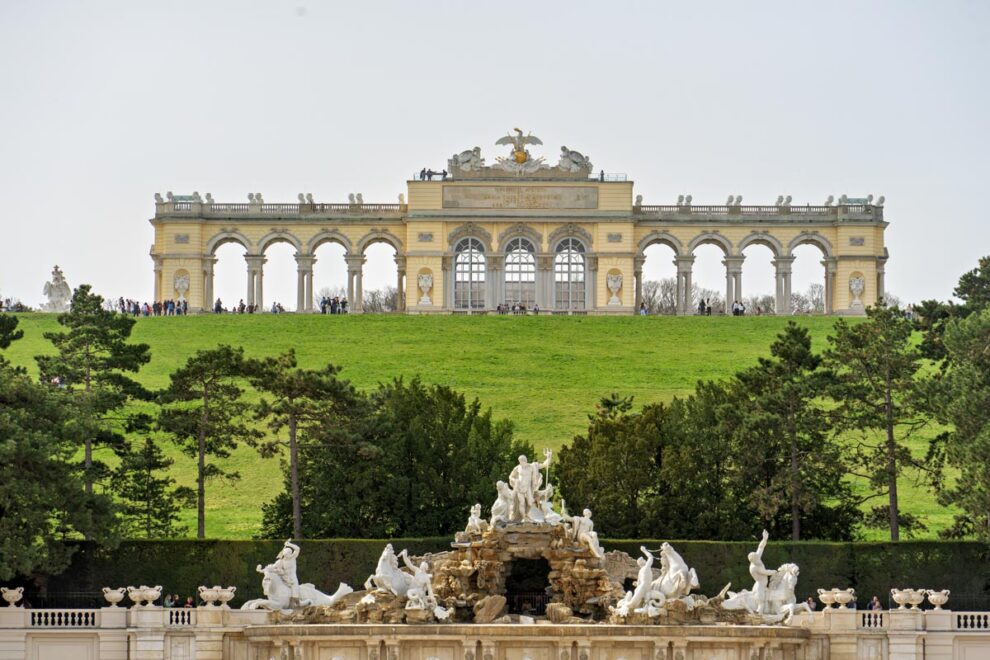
x=895, y=534
x=795, y=505
x=201, y=469
x=88, y=458
x=294, y=473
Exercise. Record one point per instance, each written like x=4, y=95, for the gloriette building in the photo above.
x=520, y=230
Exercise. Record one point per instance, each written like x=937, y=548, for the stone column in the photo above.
x=447, y=265
x=782, y=273
x=544, y=281
x=259, y=288
x=255, y=264
x=638, y=274
x=355, y=286
x=733, y=280
x=684, y=266
x=400, y=289
x=495, y=276
x=591, y=283
x=831, y=269
x=881, y=288
x=208, y=264
x=304, y=282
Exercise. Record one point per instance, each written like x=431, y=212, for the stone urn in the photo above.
x=12, y=595
x=917, y=597
x=144, y=595
x=225, y=595
x=113, y=596
x=938, y=598
x=857, y=285
x=209, y=595
x=425, y=282
x=827, y=596
x=614, y=283
x=902, y=597
x=844, y=596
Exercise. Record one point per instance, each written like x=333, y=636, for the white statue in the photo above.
x=425, y=282
x=787, y=202
x=639, y=200
x=614, y=282
x=573, y=161
x=359, y=198
x=687, y=200
x=502, y=508
x=881, y=201
x=520, y=161
x=829, y=200
x=309, y=198
x=738, y=201
x=58, y=292
x=257, y=198
x=196, y=197
x=350, y=199
x=729, y=201
x=181, y=286
x=639, y=599
x=251, y=198
x=402, y=199
x=583, y=532
x=302, y=198
x=857, y=285
x=158, y=198
x=676, y=579
x=209, y=198
x=780, y=602
x=780, y=200
x=680, y=200
x=282, y=588
x=388, y=576
x=525, y=480
x=475, y=524
x=468, y=161
x=754, y=601
x=550, y=516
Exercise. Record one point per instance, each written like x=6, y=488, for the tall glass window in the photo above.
x=568, y=275
x=520, y=273
x=469, y=274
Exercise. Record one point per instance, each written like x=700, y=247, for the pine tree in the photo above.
x=300, y=399
x=149, y=501
x=8, y=330
x=875, y=365
x=204, y=412
x=91, y=364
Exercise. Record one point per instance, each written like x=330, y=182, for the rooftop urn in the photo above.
x=113, y=596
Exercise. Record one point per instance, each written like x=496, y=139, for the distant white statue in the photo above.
x=158, y=198
x=755, y=600
x=680, y=200
x=209, y=198
x=502, y=508
x=829, y=200
x=302, y=198
x=475, y=524
x=402, y=199
x=388, y=576
x=468, y=161
x=351, y=200
x=676, y=579
x=181, y=286
x=857, y=285
x=583, y=532
x=58, y=292
x=425, y=282
x=550, y=516
x=573, y=161
x=360, y=199
x=614, y=283
x=282, y=589
x=525, y=480
x=309, y=198
x=639, y=599
x=639, y=200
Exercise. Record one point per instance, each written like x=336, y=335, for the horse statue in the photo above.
x=781, y=603
x=388, y=576
x=676, y=579
x=279, y=593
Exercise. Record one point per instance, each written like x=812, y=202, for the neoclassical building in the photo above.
x=563, y=237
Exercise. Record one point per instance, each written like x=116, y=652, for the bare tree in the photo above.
x=660, y=296
x=816, y=296
x=380, y=301
x=760, y=305
x=328, y=292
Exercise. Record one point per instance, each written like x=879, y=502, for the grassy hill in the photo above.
x=544, y=373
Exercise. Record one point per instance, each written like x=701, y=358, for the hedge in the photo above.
x=181, y=566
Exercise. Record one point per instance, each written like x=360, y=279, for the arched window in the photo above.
x=568, y=275
x=520, y=273
x=469, y=274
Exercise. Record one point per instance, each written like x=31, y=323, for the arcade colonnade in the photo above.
x=568, y=246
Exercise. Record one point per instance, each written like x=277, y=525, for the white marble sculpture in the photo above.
x=520, y=161
x=350, y=199
x=582, y=532
x=402, y=199
x=772, y=596
x=209, y=198
x=468, y=161
x=857, y=285
x=501, y=512
x=144, y=595
x=309, y=198
x=158, y=198
x=282, y=589
x=388, y=576
x=614, y=282
x=181, y=286
x=525, y=480
x=360, y=199
x=113, y=596
x=829, y=200
x=425, y=282
x=676, y=579
x=58, y=292
x=638, y=600
x=475, y=524
x=548, y=515
x=573, y=161
x=938, y=598
x=639, y=201
x=12, y=595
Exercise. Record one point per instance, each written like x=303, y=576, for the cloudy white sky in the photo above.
x=102, y=104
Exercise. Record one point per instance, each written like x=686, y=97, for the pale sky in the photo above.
x=102, y=104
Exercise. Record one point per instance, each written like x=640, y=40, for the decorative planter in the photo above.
x=113, y=596
x=844, y=596
x=144, y=595
x=827, y=596
x=209, y=595
x=916, y=598
x=938, y=598
x=225, y=595
x=12, y=595
x=902, y=597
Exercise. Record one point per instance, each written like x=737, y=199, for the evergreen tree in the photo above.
x=875, y=364
x=8, y=330
x=301, y=400
x=965, y=405
x=91, y=364
x=974, y=287
x=204, y=412
x=784, y=448
x=43, y=502
x=149, y=501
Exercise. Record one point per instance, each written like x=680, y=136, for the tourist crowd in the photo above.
x=516, y=308
x=157, y=308
x=335, y=305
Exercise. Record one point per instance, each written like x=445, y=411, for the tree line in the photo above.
x=777, y=446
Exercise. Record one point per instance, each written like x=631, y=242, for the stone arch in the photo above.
x=328, y=236
x=810, y=238
x=664, y=238
x=379, y=236
x=763, y=238
x=520, y=230
x=570, y=230
x=470, y=229
x=711, y=238
x=227, y=236
x=276, y=236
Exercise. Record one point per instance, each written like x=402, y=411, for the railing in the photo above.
x=608, y=176
x=227, y=209
x=972, y=621
x=64, y=619
x=871, y=620
x=230, y=208
x=181, y=617
x=759, y=210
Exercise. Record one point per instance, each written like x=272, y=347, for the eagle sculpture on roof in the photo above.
x=519, y=142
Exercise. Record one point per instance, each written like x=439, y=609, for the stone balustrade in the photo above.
x=235, y=210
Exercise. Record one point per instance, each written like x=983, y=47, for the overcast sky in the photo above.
x=104, y=104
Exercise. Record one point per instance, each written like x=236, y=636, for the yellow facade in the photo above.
x=566, y=245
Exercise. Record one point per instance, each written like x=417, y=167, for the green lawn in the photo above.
x=544, y=373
